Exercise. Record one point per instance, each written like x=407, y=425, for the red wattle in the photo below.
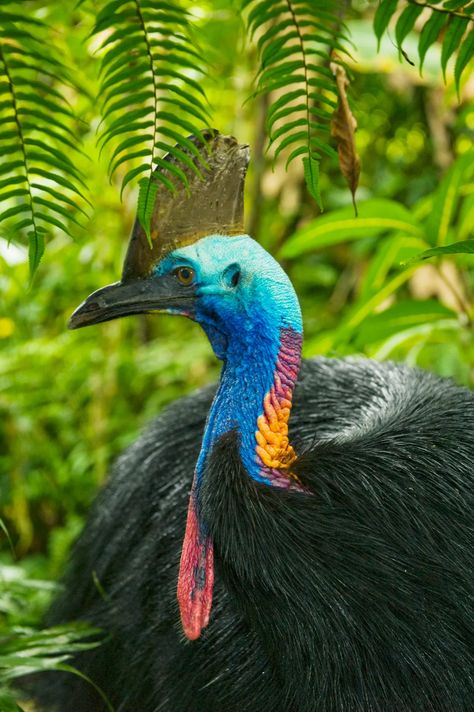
x=196, y=576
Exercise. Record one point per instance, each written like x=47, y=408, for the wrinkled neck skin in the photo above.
x=257, y=332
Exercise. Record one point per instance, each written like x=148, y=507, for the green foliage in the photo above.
x=145, y=203
x=465, y=247
x=403, y=240
x=39, y=182
x=454, y=18
x=296, y=40
x=24, y=649
x=151, y=95
x=153, y=87
x=375, y=217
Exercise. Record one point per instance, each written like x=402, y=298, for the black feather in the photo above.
x=358, y=597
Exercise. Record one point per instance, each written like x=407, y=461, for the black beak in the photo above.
x=138, y=296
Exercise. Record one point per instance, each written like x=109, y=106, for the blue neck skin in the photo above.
x=243, y=325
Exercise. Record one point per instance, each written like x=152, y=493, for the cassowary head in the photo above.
x=199, y=263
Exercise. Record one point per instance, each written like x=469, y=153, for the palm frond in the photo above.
x=450, y=20
x=296, y=40
x=40, y=186
x=151, y=95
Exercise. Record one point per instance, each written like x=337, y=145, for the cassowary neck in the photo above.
x=254, y=398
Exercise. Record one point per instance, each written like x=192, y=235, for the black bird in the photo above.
x=340, y=540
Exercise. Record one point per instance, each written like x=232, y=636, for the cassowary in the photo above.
x=335, y=547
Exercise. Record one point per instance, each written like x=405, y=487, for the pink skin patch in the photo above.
x=196, y=575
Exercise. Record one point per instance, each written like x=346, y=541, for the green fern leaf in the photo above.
x=296, y=40
x=36, y=248
x=311, y=175
x=36, y=129
x=452, y=39
x=146, y=202
x=147, y=59
x=454, y=13
x=406, y=22
x=383, y=15
x=466, y=52
x=430, y=33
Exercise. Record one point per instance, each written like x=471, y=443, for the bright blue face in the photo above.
x=241, y=291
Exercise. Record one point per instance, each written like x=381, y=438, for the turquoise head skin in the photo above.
x=244, y=300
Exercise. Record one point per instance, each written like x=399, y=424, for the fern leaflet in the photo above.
x=40, y=185
x=151, y=97
x=296, y=39
x=452, y=20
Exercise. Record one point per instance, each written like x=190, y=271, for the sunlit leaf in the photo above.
x=446, y=199
x=294, y=42
x=376, y=217
x=430, y=33
x=382, y=17
x=465, y=247
x=399, y=317
x=146, y=203
x=465, y=54
x=406, y=22
x=452, y=39
x=144, y=72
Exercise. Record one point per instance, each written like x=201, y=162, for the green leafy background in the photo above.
x=394, y=283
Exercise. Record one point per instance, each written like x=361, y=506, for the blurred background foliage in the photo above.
x=71, y=401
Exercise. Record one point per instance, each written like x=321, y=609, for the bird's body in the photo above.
x=339, y=540
x=357, y=598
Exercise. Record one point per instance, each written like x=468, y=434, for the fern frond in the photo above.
x=450, y=20
x=39, y=180
x=296, y=39
x=151, y=96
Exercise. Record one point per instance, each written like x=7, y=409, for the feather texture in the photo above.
x=357, y=598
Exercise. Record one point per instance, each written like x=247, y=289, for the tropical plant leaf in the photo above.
x=399, y=317
x=454, y=15
x=37, y=132
x=429, y=34
x=363, y=307
x=466, y=247
x=295, y=41
x=391, y=252
x=452, y=40
x=446, y=199
x=146, y=203
x=376, y=217
x=146, y=82
x=406, y=22
x=382, y=17
x=311, y=175
x=465, y=54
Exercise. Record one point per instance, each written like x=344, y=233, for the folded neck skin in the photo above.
x=252, y=318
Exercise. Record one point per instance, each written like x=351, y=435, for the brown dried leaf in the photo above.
x=343, y=128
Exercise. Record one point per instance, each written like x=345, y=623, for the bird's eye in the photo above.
x=184, y=275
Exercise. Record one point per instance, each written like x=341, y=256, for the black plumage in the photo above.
x=356, y=598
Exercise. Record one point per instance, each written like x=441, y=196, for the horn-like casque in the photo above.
x=212, y=203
